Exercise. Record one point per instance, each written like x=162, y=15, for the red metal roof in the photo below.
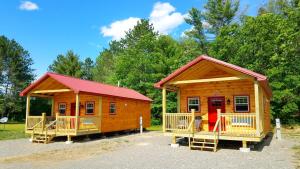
x=261, y=78
x=79, y=85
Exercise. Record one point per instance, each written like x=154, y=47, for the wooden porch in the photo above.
x=44, y=128
x=229, y=126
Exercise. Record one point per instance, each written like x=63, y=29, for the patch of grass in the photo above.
x=155, y=128
x=297, y=156
x=12, y=131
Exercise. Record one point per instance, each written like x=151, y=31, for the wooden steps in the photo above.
x=203, y=144
x=42, y=138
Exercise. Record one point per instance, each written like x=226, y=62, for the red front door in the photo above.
x=73, y=113
x=214, y=103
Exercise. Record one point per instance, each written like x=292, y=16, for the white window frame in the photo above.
x=115, y=108
x=62, y=108
x=193, y=98
x=235, y=104
x=86, y=107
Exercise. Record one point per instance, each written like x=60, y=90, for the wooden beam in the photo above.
x=164, y=107
x=257, y=106
x=100, y=112
x=208, y=80
x=41, y=95
x=52, y=91
x=52, y=106
x=172, y=88
x=77, y=111
x=27, y=110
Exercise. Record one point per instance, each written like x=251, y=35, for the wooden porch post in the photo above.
x=193, y=121
x=100, y=113
x=27, y=110
x=44, y=120
x=257, y=108
x=77, y=111
x=219, y=118
x=178, y=101
x=52, y=107
x=164, y=107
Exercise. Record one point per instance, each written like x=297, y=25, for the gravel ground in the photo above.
x=148, y=151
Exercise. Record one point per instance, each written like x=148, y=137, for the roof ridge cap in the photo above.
x=89, y=80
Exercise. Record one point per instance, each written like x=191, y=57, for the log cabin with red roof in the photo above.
x=81, y=107
x=216, y=101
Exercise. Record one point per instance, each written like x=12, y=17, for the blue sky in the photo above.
x=49, y=28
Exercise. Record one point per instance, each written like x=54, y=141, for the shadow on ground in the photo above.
x=98, y=136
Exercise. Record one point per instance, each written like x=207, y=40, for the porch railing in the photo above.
x=89, y=123
x=32, y=121
x=234, y=124
x=179, y=122
x=239, y=124
x=63, y=124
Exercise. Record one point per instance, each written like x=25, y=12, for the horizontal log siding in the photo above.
x=229, y=89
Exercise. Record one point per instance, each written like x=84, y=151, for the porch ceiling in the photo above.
x=48, y=88
x=206, y=70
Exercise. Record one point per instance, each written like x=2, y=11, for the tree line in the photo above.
x=267, y=43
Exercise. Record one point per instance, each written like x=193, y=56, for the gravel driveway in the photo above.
x=150, y=150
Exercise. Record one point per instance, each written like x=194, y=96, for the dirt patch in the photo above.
x=69, y=153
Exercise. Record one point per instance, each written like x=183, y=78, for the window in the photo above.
x=241, y=103
x=112, y=108
x=89, y=107
x=62, y=108
x=193, y=103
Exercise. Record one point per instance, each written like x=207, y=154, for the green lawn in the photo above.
x=12, y=131
x=154, y=128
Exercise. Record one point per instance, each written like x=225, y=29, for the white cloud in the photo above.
x=205, y=25
x=163, y=17
x=117, y=29
x=28, y=6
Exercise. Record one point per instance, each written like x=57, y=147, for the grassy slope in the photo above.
x=12, y=131
x=154, y=128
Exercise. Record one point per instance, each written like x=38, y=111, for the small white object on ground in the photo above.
x=278, y=132
x=30, y=140
x=245, y=150
x=174, y=145
x=141, y=124
x=69, y=142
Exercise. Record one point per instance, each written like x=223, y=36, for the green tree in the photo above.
x=68, y=64
x=268, y=44
x=16, y=73
x=140, y=59
x=197, y=33
x=220, y=13
x=105, y=63
x=87, y=69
